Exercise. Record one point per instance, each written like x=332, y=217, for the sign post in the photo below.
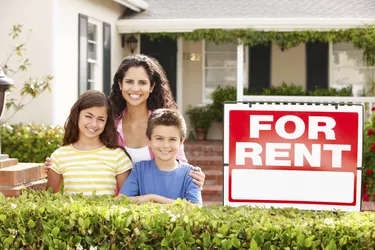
x=293, y=155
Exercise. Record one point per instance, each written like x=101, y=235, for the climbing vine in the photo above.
x=362, y=38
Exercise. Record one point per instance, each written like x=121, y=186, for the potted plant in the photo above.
x=200, y=120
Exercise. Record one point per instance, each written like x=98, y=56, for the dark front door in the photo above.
x=165, y=51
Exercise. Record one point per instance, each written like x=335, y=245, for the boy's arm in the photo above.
x=54, y=181
x=192, y=192
x=152, y=198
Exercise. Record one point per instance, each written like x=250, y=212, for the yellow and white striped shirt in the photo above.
x=89, y=171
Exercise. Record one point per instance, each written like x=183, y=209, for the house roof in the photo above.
x=187, y=15
x=177, y=9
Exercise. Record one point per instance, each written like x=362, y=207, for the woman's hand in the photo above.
x=198, y=176
x=47, y=164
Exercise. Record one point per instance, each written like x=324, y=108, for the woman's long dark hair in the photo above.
x=161, y=96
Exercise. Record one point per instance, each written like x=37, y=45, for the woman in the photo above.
x=139, y=87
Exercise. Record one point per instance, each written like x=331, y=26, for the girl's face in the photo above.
x=92, y=122
x=136, y=86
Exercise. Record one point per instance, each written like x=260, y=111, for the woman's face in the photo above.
x=136, y=86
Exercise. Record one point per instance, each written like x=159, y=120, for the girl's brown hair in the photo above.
x=89, y=99
x=161, y=96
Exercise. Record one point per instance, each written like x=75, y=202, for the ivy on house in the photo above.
x=362, y=38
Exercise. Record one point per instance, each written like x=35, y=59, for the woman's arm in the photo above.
x=54, y=181
x=198, y=176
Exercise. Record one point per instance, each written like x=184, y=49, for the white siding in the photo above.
x=35, y=15
x=53, y=49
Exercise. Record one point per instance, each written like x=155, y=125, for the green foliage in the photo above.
x=15, y=62
x=284, y=89
x=200, y=117
x=41, y=220
x=362, y=38
x=219, y=97
x=347, y=91
x=30, y=143
x=368, y=180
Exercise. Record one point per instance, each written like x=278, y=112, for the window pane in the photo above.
x=348, y=68
x=92, y=32
x=210, y=46
x=92, y=51
x=220, y=66
x=221, y=59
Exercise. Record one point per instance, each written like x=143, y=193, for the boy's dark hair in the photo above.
x=89, y=99
x=166, y=117
x=161, y=96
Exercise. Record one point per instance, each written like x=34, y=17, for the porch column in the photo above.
x=240, y=70
x=179, y=68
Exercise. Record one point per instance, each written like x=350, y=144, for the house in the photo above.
x=76, y=41
x=195, y=64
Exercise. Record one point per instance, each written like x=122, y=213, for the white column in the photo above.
x=240, y=67
x=179, y=73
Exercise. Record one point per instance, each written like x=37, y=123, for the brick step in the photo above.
x=14, y=191
x=206, y=160
x=207, y=146
x=212, y=194
x=8, y=162
x=209, y=203
x=212, y=189
x=21, y=173
x=194, y=153
x=213, y=177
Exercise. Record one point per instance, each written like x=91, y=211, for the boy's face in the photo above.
x=165, y=142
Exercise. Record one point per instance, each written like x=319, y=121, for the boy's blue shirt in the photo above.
x=147, y=178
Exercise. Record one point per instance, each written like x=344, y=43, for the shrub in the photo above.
x=30, y=143
x=347, y=91
x=41, y=220
x=284, y=89
x=200, y=117
x=368, y=181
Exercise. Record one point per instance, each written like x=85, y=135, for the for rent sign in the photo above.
x=305, y=156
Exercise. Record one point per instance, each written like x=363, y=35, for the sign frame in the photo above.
x=309, y=108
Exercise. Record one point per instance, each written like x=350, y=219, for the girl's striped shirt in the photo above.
x=91, y=171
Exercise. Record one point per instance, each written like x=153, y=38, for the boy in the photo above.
x=163, y=179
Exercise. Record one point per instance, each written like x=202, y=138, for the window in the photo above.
x=348, y=67
x=94, y=50
x=220, y=67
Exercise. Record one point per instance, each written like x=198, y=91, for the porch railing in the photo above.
x=367, y=102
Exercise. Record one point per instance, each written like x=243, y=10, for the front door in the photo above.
x=165, y=51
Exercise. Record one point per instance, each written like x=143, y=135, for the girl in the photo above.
x=89, y=160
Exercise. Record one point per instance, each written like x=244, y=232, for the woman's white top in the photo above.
x=139, y=154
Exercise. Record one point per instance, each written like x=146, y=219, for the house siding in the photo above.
x=37, y=16
x=52, y=48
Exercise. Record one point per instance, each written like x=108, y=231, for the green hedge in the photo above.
x=41, y=220
x=30, y=143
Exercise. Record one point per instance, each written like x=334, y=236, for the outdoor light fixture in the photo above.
x=132, y=43
x=5, y=84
